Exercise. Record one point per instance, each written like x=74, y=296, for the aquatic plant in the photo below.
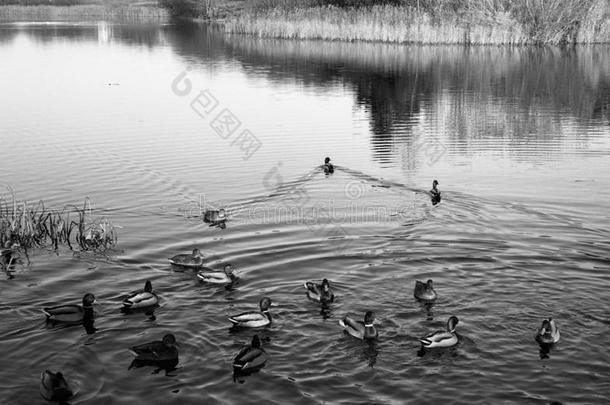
x=33, y=225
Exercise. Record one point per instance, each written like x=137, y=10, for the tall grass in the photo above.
x=33, y=225
x=492, y=22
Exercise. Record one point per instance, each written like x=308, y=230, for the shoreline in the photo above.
x=375, y=24
x=82, y=12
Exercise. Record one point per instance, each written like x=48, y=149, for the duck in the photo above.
x=548, y=332
x=72, y=314
x=360, y=329
x=328, y=167
x=142, y=298
x=195, y=259
x=214, y=216
x=424, y=291
x=7, y=254
x=435, y=193
x=442, y=338
x=54, y=387
x=250, y=358
x=157, y=351
x=218, y=277
x=320, y=292
x=254, y=319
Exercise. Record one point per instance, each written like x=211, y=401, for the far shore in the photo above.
x=380, y=23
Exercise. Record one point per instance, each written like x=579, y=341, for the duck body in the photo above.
x=320, y=292
x=212, y=216
x=442, y=338
x=71, y=314
x=254, y=319
x=8, y=255
x=548, y=332
x=160, y=350
x=217, y=277
x=435, y=194
x=250, y=358
x=424, y=291
x=54, y=387
x=144, y=298
x=360, y=329
x=194, y=260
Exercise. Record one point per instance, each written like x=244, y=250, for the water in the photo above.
x=519, y=139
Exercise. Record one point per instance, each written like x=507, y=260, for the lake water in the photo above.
x=143, y=119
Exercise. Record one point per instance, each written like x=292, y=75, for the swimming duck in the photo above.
x=320, y=292
x=185, y=260
x=7, y=254
x=424, y=291
x=250, y=358
x=328, y=167
x=53, y=386
x=442, y=338
x=548, y=333
x=435, y=193
x=157, y=351
x=72, y=314
x=254, y=319
x=215, y=216
x=359, y=329
x=142, y=298
x=218, y=277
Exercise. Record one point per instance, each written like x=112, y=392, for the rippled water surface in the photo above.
x=132, y=117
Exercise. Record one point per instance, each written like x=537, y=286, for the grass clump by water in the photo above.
x=33, y=225
x=492, y=22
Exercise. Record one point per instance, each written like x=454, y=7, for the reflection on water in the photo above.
x=518, y=139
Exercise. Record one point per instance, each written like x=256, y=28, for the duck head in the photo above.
x=265, y=304
x=228, y=269
x=148, y=286
x=452, y=324
x=429, y=285
x=197, y=253
x=325, y=285
x=548, y=328
x=369, y=318
x=89, y=300
x=221, y=213
x=434, y=184
x=326, y=160
x=169, y=340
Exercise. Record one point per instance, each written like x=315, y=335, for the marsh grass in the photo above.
x=481, y=22
x=34, y=225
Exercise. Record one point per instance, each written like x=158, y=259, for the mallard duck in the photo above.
x=214, y=216
x=327, y=166
x=142, y=298
x=185, y=260
x=359, y=329
x=254, y=319
x=250, y=358
x=54, y=387
x=72, y=314
x=442, y=338
x=218, y=277
x=435, y=193
x=424, y=291
x=548, y=332
x=320, y=292
x=157, y=351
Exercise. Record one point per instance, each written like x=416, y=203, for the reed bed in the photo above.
x=473, y=23
x=83, y=12
x=34, y=225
